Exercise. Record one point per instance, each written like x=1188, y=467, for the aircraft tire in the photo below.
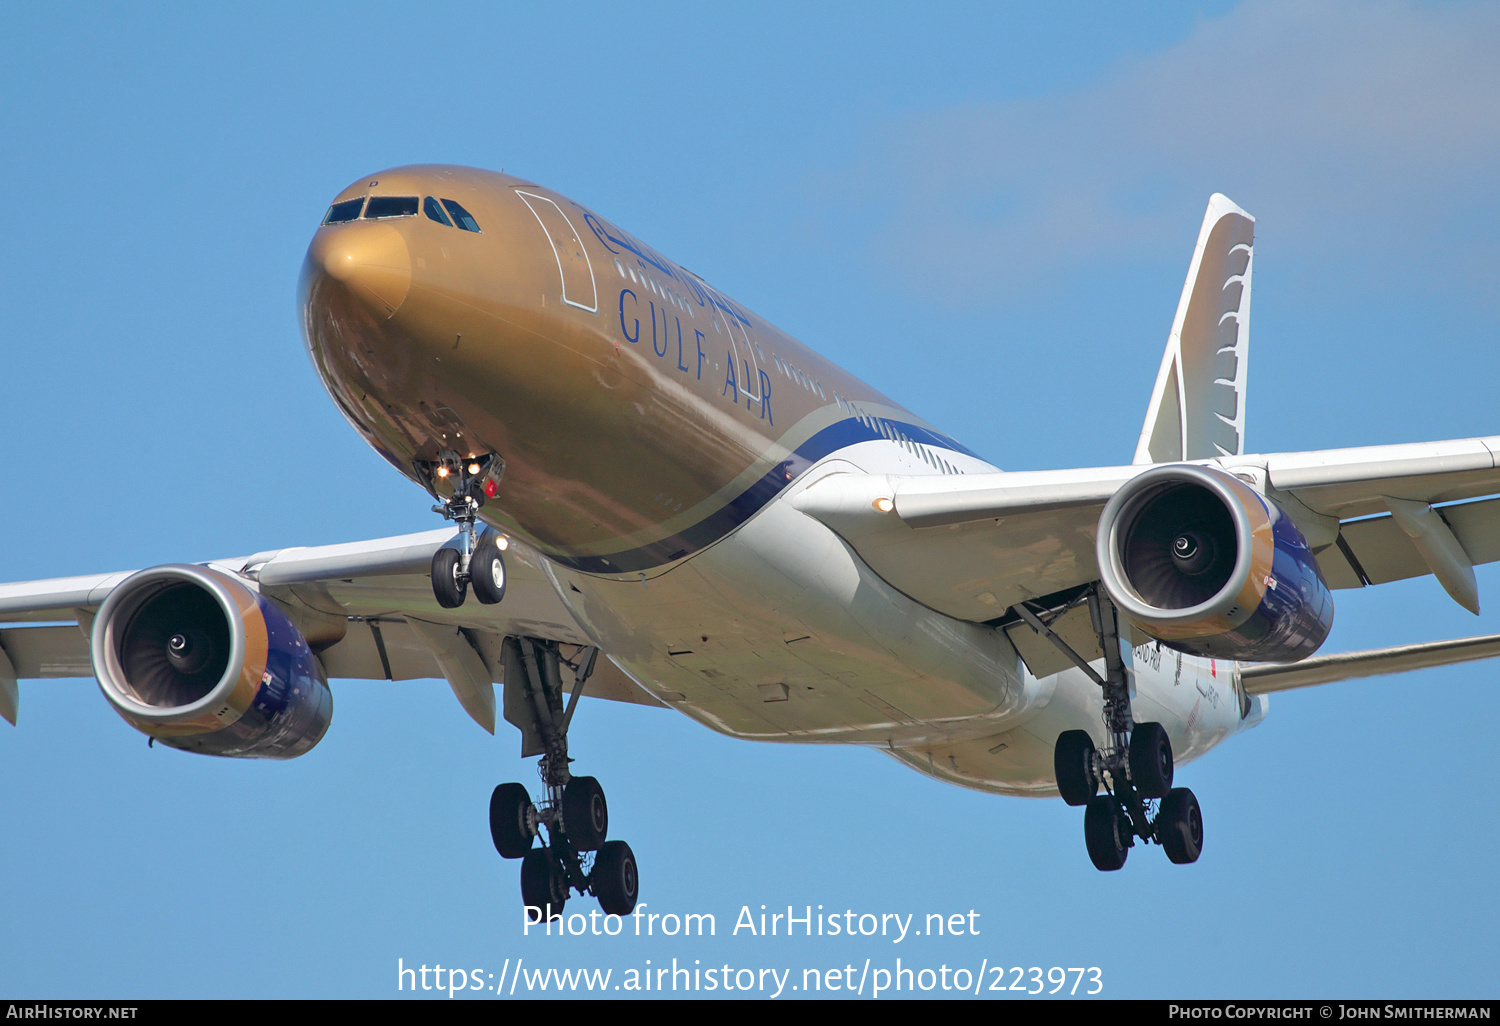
x=585, y=813
x=487, y=571
x=1150, y=760
x=614, y=878
x=1073, y=767
x=447, y=587
x=541, y=885
x=1106, y=831
x=510, y=810
x=1179, y=826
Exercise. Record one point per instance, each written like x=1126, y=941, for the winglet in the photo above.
x=1197, y=409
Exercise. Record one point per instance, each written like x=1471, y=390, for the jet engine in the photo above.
x=1199, y=560
x=198, y=661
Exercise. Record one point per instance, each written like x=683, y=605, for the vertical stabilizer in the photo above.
x=1198, y=406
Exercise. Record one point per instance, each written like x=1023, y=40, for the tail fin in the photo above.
x=1198, y=406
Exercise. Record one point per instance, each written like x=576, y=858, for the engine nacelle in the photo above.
x=193, y=658
x=1202, y=562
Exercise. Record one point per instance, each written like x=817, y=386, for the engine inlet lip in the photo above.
x=116, y=612
x=1120, y=514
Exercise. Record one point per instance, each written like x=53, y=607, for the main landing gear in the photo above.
x=1135, y=769
x=480, y=564
x=572, y=822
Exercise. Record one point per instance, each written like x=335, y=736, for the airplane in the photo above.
x=657, y=497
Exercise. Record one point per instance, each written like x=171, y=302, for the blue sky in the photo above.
x=984, y=211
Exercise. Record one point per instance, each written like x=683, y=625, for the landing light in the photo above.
x=883, y=505
x=473, y=468
x=502, y=543
x=442, y=471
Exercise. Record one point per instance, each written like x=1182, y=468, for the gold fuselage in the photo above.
x=640, y=413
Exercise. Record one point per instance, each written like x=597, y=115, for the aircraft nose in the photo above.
x=371, y=260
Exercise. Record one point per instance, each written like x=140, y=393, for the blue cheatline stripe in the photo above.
x=749, y=502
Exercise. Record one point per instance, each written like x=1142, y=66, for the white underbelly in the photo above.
x=780, y=632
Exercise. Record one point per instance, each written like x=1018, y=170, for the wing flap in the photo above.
x=1043, y=658
x=1477, y=527
x=1382, y=552
x=10, y=690
x=1337, y=569
x=47, y=651
x=376, y=648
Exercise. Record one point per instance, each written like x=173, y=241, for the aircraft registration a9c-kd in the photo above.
x=662, y=499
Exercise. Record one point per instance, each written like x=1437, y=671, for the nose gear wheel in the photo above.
x=479, y=562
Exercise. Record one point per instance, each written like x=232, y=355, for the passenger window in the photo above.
x=461, y=217
x=435, y=212
x=390, y=206
x=345, y=211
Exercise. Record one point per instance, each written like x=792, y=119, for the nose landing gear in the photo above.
x=1136, y=767
x=480, y=564
x=572, y=822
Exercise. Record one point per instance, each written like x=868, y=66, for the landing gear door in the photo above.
x=573, y=263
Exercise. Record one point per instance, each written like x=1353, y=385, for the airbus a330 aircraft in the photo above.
x=660, y=498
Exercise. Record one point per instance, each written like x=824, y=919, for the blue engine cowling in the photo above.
x=1199, y=560
x=198, y=661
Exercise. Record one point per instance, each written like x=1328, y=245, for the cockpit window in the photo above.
x=434, y=210
x=461, y=217
x=391, y=206
x=345, y=211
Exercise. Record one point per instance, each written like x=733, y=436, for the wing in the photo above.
x=1264, y=678
x=366, y=608
x=972, y=546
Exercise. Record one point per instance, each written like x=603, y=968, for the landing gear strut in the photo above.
x=1135, y=767
x=479, y=563
x=572, y=821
